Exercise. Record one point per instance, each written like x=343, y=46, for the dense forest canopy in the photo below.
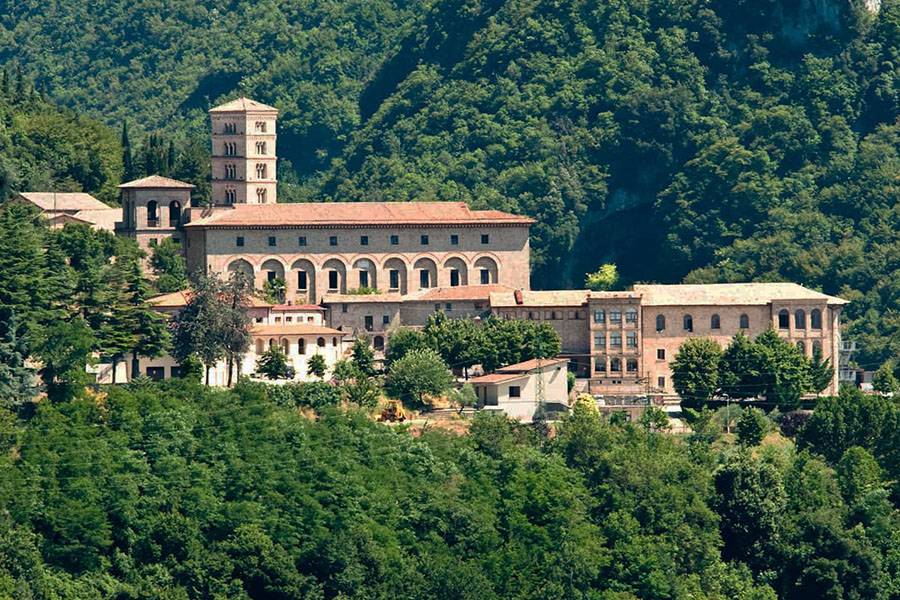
x=713, y=141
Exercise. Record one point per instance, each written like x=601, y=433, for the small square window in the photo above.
x=363, y=240
x=515, y=391
x=661, y=382
x=424, y=240
x=332, y=240
x=660, y=354
x=448, y=307
x=343, y=308
x=395, y=240
x=240, y=241
x=437, y=307
x=485, y=238
x=454, y=240
x=301, y=241
x=272, y=241
x=386, y=320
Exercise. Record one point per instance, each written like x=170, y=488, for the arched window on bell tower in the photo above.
x=261, y=170
x=230, y=196
x=261, y=195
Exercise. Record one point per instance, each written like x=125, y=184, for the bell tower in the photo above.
x=243, y=153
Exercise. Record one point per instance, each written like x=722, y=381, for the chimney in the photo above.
x=518, y=296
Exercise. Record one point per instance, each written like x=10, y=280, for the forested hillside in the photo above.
x=677, y=138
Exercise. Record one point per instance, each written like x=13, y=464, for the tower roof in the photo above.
x=156, y=182
x=243, y=105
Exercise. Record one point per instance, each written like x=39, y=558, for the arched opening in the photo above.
x=230, y=171
x=784, y=319
x=230, y=196
x=336, y=274
x=486, y=268
x=261, y=171
x=801, y=347
x=799, y=319
x=817, y=348
x=396, y=274
x=260, y=126
x=744, y=322
x=378, y=343
x=631, y=365
x=304, y=279
x=427, y=273
x=241, y=268
x=271, y=343
x=456, y=272
x=815, y=319
x=615, y=365
x=334, y=342
x=174, y=213
x=272, y=269
x=301, y=346
x=366, y=276
x=688, y=323
x=260, y=347
x=715, y=322
x=286, y=346
x=320, y=342
x=152, y=213
x=260, y=147
x=660, y=322
x=261, y=195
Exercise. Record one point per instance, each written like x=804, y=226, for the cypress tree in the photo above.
x=127, y=154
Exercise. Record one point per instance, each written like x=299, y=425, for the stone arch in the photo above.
x=335, y=272
x=241, y=267
x=461, y=275
x=286, y=346
x=487, y=269
x=378, y=343
x=301, y=346
x=270, y=269
x=174, y=213
x=152, y=212
x=402, y=268
x=784, y=319
x=260, y=346
x=426, y=273
x=799, y=319
x=305, y=284
x=366, y=273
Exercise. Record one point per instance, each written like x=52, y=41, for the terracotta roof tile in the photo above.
x=531, y=365
x=69, y=201
x=243, y=105
x=390, y=297
x=540, y=298
x=728, y=293
x=298, y=329
x=357, y=214
x=156, y=182
x=459, y=292
x=497, y=377
x=297, y=307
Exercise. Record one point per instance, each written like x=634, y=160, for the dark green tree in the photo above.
x=419, y=374
x=64, y=350
x=273, y=363
x=169, y=266
x=695, y=372
x=752, y=427
x=18, y=383
x=197, y=328
x=315, y=366
x=363, y=356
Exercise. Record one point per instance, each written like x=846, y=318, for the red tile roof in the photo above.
x=180, y=299
x=298, y=329
x=357, y=214
x=531, y=365
x=459, y=292
x=297, y=307
x=157, y=182
x=243, y=105
x=497, y=377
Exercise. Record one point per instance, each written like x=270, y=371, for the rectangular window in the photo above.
x=600, y=365
x=615, y=316
x=660, y=354
x=631, y=316
x=454, y=277
x=156, y=373
x=363, y=240
x=344, y=307
x=631, y=340
x=485, y=238
x=424, y=240
x=448, y=307
x=271, y=275
x=176, y=371
x=363, y=279
x=437, y=307
x=599, y=315
x=301, y=241
x=369, y=323
x=515, y=391
x=423, y=278
x=394, y=276
x=615, y=340
x=661, y=382
x=301, y=281
x=239, y=242
x=386, y=320
x=332, y=240
x=278, y=319
x=395, y=240
x=333, y=280
x=454, y=240
x=271, y=241
x=599, y=340
x=485, y=277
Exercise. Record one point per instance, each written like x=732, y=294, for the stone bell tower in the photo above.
x=243, y=153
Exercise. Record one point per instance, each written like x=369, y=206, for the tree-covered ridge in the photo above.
x=178, y=491
x=675, y=138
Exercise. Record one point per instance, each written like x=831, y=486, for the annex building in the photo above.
x=369, y=267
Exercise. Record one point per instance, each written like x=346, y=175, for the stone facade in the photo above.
x=244, y=160
x=153, y=208
x=626, y=345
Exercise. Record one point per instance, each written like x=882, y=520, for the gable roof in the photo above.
x=539, y=298
x=157, y=182
x=243, y=105
x=181, y=298
x=531, y=365
x=68, y=201
x=384, y=297
x=498, y=377
x=459, y=292
x=298, y=329
x=356, y=214
x=729, y=293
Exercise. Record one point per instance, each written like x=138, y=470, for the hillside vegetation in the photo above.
x=713, y=141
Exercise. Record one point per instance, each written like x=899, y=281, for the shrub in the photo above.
x=792, y=422
x=752, y=427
